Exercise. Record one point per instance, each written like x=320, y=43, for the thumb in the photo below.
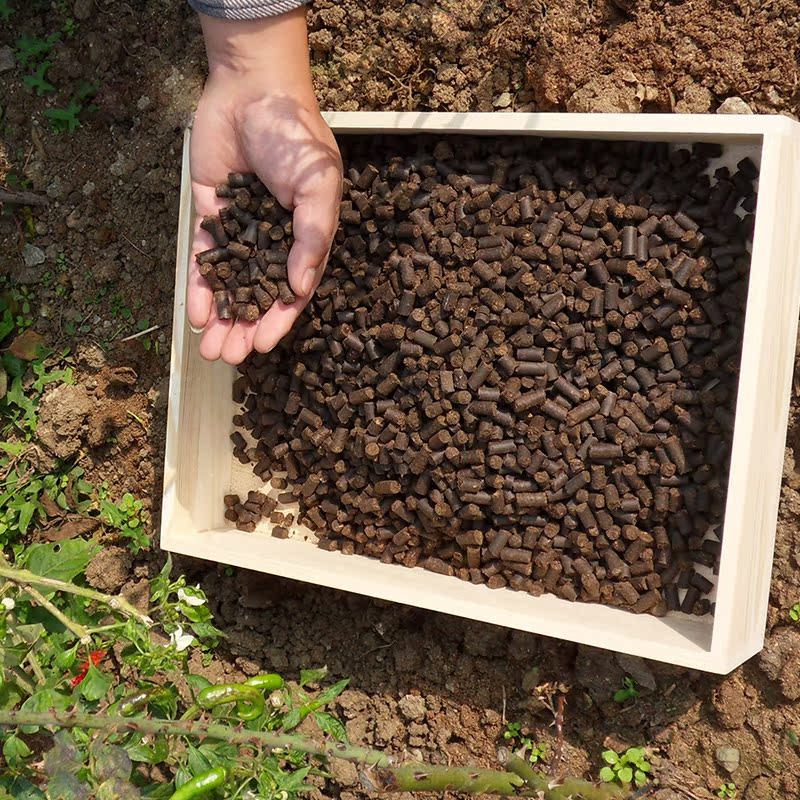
x=313, y=225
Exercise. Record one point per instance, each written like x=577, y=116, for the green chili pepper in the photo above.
x=267, y=683
x=136, y=702
x=249, y=701
x=201, y=784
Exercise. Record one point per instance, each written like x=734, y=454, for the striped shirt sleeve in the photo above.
x=244, y=9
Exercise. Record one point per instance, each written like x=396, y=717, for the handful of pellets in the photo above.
x=520, y=369
x=247, y=268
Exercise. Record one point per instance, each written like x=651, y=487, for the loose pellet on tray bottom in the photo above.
x=520, y=368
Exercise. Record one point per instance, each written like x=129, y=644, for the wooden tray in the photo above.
x=200, y=467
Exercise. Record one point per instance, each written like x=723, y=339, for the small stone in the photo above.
x=412, y=707
x=503, y=101
x=728, y=758
x=54, y=189
x=143, y=103
x=638, y=670
x=88, y=188
x=32, y=256
x=734, y=105
x=6, y=59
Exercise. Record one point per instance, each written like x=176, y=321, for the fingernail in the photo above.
x=194, y=330
x=307, y=281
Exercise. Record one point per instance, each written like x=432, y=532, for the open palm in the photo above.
x=291, y=149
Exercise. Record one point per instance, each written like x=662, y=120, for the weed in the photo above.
x=631, y=766
x=126, y=517
x=794, y=739
x=535, y=751
x=37, y=82
x=727, y=791
x=6, y=10
x=65, y=120
x=31, y=49
x=119, y=309
x=794, y=612
x=627, y=692
x=70, y=27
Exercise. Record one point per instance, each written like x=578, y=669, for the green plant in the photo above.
x=794, y=612
x=627, y=692
x=534, y=751
x=6, y=10
x=126, y=517
x=727, y=790
x=631, y=766
x=65, y=119
x=37, y=82
x=31, y=49
x=70, y=27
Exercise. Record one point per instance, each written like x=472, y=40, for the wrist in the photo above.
x=260, y=56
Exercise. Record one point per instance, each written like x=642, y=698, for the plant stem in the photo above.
x=407, y=777
x=430, y=778
x=569, y=789
x=78, y=630
x=35, y=666
x=23, y=576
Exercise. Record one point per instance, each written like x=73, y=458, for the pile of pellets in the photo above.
x=520, y=368
x=247, y=268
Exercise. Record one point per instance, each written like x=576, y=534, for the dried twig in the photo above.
x=559, y=722
x=23, y=198
x=140, y=333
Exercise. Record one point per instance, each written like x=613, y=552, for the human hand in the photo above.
x=258, y=114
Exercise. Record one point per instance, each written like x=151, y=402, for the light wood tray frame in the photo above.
x=200, y=467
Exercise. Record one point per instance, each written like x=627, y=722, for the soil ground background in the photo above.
x=103, y=267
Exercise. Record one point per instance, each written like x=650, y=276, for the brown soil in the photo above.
x=421, y=681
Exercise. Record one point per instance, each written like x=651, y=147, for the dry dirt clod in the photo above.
x=412, y=707
x=62, y=415
x=730, y=703
x=109, y=569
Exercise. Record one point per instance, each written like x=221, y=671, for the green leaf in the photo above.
x=607, y=774
x=95, y=685
x=330, y=725
x=197, y=682
x=625, y=774
x=44, y=700
x=61, y=561
x=66, y=658
x=155, y=753
x=292, y=719
x=610, y=757
x=312, y=675
x=644, y=766
x=198, y=763
x=20, y=789
x=63, y=756
x=331, y=693
x=640, y=778
x=15, y=750
x=64, y=786
x=634, y=753
x=110, y=761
